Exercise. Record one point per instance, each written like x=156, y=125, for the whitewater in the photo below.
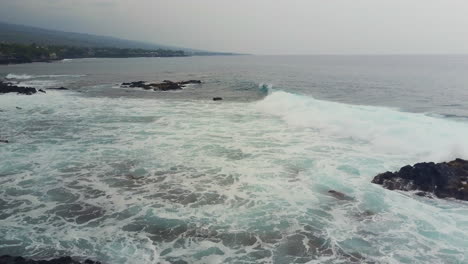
x=123, y=177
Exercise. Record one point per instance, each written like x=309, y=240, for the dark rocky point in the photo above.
x=164, y=86
x=444, y=180
x=42, y=91
x=6, y=259
x=6, y=87
x=217, y=98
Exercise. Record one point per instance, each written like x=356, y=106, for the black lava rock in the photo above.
x=340, y=196
x=217, y=98
x=6, y=87
x=444, y=180
x=6, y=259
x=59, y=88
x=166, y=85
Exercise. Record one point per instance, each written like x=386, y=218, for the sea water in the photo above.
x=131, y=176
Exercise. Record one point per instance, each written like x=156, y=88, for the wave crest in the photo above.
x=27, y=76
x=18, y=76
x=266, y=88
x=382, y=129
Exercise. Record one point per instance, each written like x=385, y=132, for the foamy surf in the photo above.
x=13, y=76
x=18, y=76
x=383, y=129
x=159, y=181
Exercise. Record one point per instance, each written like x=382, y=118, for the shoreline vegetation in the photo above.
x=13, y=53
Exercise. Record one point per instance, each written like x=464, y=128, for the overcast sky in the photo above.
x=261, y=26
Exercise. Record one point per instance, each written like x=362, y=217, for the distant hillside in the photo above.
x=27, y=35
x=11, y=33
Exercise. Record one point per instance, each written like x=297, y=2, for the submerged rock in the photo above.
x=217, y=98
x=6, y=259
x=138, y=84
x=164, y=86
x=444, y=180
x=6, y=87
x=190, y=82
x=59, y=88
x=340, y=196
x=4, y=141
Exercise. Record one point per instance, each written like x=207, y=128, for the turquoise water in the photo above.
x=135, y=177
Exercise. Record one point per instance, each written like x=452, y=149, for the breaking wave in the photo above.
x=383, y=129
x=18, y=76
x=27, y=77
x=265, y=88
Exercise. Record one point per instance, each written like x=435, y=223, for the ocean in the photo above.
x=123, y=175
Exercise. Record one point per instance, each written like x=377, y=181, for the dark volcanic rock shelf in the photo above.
x=445, y=180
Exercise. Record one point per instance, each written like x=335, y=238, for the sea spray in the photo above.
x=382, y=130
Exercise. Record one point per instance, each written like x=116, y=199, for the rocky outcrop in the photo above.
x=164, y=86
x=63, y=260
x=4, y=141
x=6, y=87
x=444, y=180
x=217, y=98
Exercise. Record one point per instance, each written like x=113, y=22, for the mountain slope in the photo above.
x=26, y=35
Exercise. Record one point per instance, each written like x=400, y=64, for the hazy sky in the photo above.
x=262, y=26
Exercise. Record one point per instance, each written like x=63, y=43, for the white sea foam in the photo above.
x=385, y=130
x=39, y=84
x=27, y=76
x=18, y=76
x=147, y=181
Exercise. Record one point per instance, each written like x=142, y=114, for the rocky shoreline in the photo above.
x=23, y=60
x=7, y=87
x=15, y=53
x=6, y=259
x=444, y=180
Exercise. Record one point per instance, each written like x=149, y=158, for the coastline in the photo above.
x=13, y=53
x=15, y=61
